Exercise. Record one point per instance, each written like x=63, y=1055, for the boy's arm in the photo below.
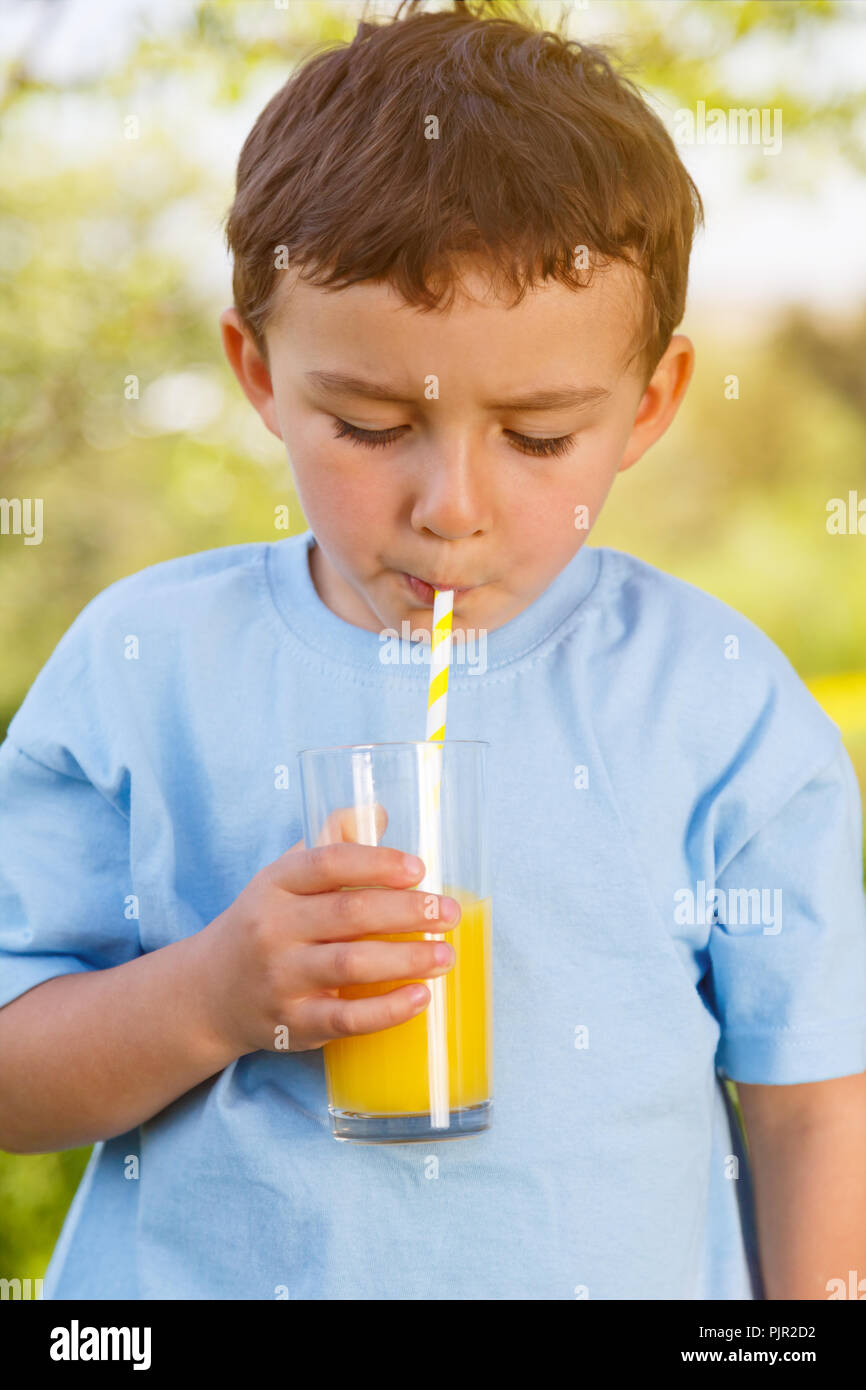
x=807, y=1149
x=91, y=1055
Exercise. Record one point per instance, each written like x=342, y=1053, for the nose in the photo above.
x=451, y=490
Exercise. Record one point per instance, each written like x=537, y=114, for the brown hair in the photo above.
x=543, y=146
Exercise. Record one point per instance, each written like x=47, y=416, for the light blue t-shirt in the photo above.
x=676, y=871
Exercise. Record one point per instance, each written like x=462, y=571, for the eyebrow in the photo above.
x=550, y=399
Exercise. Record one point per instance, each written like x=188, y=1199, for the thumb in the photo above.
x=364, y=825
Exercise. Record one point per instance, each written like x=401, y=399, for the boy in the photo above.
x=416, y=217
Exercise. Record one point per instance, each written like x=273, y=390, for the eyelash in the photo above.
x=380, y=439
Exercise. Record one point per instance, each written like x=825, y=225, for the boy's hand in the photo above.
x=278, y=955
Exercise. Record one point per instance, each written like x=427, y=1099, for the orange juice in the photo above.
x=386, y=1073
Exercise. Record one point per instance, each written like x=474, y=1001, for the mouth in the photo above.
x=422, y=589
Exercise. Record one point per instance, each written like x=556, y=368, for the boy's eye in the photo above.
x=374, y=439
x=527, y=445
x=378, y=439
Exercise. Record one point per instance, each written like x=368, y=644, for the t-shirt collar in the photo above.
x=311, y=620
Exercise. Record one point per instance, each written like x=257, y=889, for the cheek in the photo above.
x=345, y=497
x=596, y=463
x=564, y=501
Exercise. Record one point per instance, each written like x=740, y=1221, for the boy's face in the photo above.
x=456, y=484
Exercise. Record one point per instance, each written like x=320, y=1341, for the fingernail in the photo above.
x=419, y=995
x=413, y=865
x=450, y=909
x=443, y=953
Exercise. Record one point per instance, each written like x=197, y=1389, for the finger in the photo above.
x=353, y=913
x=347, y=823
x=323, y=1017
x=365, y=825
x=343, y=963
x=342, y=864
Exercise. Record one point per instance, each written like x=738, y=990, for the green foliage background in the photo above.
x=733, y=498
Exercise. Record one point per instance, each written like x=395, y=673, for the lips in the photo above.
x=422, y=589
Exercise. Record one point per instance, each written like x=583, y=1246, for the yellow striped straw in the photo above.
x=440, y=659
x=431, y=847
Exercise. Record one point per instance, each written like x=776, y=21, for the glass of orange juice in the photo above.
x=432, y=1076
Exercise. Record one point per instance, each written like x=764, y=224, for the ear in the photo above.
x=661, y=399
x=249, y=367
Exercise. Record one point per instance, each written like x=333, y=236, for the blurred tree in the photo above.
x=96, y=293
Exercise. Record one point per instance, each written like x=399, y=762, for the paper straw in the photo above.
x=431, y=848
x=364, y=797
x=440, y=658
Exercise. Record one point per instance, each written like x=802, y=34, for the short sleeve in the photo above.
x=787, y=947
x=64, y=874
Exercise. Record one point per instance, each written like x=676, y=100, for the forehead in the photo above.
x=597, y=325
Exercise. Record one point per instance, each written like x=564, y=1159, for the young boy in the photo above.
x=461, y=249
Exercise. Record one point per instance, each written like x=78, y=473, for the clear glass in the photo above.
x=432, y=1076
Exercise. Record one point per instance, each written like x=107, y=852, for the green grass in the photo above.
x=35, y=1193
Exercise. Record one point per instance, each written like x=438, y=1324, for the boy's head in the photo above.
x=445, y=234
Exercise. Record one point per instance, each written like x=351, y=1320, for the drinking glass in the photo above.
x=431, y=1076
